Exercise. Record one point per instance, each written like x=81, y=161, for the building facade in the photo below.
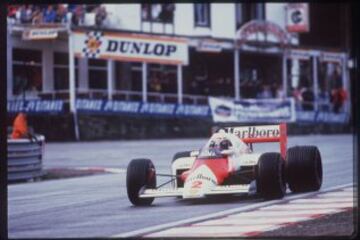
x=232, y=52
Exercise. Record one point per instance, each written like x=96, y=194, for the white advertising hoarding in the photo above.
x=40, y=33
x=252, y=110
x=131, y=47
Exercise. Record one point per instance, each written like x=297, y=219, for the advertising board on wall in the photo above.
x=131, y=47
x=252, y=110
x=133, y=107
x=35, y=106
x=40, y=33
x=297, y=17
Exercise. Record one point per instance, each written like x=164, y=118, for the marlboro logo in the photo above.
x=254, y=132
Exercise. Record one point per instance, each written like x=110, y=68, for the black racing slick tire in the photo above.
x=181, y=155
x=140, y=174
x=270, y=181
x=304, y=168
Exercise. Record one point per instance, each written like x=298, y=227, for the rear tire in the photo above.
x=140, y=174
x=304, y=168
x=270, y=181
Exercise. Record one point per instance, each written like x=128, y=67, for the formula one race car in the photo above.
x=227, y=164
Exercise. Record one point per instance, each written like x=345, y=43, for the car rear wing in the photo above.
x=262, y=134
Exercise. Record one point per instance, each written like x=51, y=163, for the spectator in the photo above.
x=336, y=77
x=12, y=9
x=72, y=7
x=279, y=92
x=296, y=93
x=78, y=15
x=265, y=92
x=155, y=83
x=167, y=13
x=324, y=100
x=307, y=96
x=20, y=127
x=37, y=15
x=25, y=14
x=49, y=14
x=100, y=16
x=155, y=11
x=338, y=97
x=60, y=14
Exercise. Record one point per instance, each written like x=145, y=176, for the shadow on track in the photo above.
x=209, y=200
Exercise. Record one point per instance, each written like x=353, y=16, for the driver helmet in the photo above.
x=225, y=144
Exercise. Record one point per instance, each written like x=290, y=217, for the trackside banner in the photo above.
x=321, y=117
x=252, y=110
x=35, y=106
x=131, y=47
x=132, y=107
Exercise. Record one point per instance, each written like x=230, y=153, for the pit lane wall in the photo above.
x=106, y=119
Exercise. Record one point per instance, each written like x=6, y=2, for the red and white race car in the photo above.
x=227, y=164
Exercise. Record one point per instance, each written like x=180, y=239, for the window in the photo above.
x=61, y=71
x=162, y=78
x=202, y=14
x=97, y=74
x=158, y=12
x=27, y=70
x=246, y=12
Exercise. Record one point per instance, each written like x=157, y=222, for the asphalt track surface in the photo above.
x=97, y=206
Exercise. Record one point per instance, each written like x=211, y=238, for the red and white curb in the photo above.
x=257, y=218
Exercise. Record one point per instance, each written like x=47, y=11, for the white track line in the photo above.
x=222, y=213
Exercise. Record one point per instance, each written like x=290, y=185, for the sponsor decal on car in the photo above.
x=254, y=132
x=201, y=176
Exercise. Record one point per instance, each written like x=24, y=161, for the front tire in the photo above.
x=270, y=182
x=140, y=174
x=304, y=168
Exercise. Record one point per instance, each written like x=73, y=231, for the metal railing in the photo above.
x=24, y=158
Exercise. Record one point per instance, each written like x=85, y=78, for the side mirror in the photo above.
x=194, y=153
x=227, y=152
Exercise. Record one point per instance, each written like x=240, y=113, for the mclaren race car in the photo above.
x=228, y=164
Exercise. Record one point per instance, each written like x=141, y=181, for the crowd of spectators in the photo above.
x=261, y=90
x=332, y=99
x=55, y=13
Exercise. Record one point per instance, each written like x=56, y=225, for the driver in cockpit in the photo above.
x=217, y=145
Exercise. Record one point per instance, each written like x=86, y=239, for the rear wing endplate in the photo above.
x=262, y=134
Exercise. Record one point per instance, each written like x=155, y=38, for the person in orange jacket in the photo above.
x=20, y=127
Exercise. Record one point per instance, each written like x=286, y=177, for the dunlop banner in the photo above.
x=252, y=110
x=131, y=47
